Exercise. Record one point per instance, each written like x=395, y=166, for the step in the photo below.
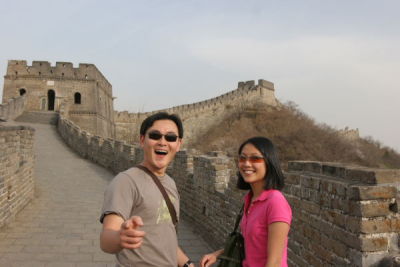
x=43, y=117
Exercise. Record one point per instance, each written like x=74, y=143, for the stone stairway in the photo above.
x=43, y=117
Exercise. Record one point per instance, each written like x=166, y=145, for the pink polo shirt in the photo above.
x=271, y=206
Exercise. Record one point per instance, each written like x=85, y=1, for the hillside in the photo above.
x=297, y=136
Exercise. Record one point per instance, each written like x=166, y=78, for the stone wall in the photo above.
x=16, y=170
x=199, y=117
x=12, y=108
x=342, y=216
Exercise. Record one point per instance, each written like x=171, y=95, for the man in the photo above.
x=137, y=225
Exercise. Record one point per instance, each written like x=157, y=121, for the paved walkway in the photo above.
x=60, y=227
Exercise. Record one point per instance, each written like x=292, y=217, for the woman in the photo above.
x=267, y=215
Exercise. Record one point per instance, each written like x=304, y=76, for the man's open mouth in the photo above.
x=161, y=152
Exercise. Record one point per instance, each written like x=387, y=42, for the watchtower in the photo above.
x=84, y=91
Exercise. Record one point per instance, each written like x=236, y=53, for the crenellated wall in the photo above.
x=342, y=215
x=16, y=170
x=198, y=117
x=62, y=70
x=13, y=108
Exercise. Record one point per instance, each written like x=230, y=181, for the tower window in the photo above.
x=22, y=91
x=77, y=98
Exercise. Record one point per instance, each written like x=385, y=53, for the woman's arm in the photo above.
x=211, y=258
x=277, y=235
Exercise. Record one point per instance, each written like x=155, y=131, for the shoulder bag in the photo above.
x=168, y=201
x=234, y=252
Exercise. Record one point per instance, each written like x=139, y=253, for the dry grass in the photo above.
x=297, y=136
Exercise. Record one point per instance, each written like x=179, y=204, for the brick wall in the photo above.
x=16, y=170
x=12, y=108
x=342, y=215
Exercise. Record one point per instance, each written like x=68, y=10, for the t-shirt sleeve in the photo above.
x=278, y=209
x=120, y=196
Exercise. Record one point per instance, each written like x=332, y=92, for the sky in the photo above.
x=339, y=61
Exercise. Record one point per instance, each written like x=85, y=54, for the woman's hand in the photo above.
x=210, y=259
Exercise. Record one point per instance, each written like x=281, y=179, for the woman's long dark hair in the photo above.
x=274, y=178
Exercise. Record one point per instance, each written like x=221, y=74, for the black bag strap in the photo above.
x=171, y=207
x=238, y=218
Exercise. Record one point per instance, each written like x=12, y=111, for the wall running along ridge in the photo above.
x=342, y=215
x=199, y=117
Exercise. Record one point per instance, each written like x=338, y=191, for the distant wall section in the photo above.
x=198, y=117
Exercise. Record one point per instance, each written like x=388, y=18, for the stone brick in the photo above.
x=311, y=258
x=372, y=243
x=322, y=253
x=335, y=170
x=295, y=166
x=334, y=217
x=305, y=166
x=291, y=178
x=372, y=176
x=395, y=224
x=340, y=204
x=310, y=207
x=310, y=182
x=337, y=247
x=370, y=208
x=371, y=192
x=295, y=260
x=349, y=239
x=378, y=225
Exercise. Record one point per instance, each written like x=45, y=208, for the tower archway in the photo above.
x=77, y=98
x=51, y=96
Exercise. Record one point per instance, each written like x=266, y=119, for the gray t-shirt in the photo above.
x=134, y=193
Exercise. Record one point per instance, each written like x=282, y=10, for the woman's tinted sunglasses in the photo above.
x=251, y=159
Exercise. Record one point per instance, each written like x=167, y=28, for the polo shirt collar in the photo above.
x=263, y=196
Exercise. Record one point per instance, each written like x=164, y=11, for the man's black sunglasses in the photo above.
x=169, y=137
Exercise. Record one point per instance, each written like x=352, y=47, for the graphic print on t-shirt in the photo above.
x=163, y=214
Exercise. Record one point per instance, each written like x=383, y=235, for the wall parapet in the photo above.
x=342, y=215
x=61, y=70
x=16, y=168
x=12, y=108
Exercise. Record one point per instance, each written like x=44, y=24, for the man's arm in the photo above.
x=118, y=234
x=182, y=258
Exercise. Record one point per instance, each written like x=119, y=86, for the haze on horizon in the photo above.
x=339, y=61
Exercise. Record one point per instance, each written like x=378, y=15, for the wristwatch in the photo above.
x=187, y=264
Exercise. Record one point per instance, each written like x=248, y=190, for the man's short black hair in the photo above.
x=274, y=178
x=149, y=121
